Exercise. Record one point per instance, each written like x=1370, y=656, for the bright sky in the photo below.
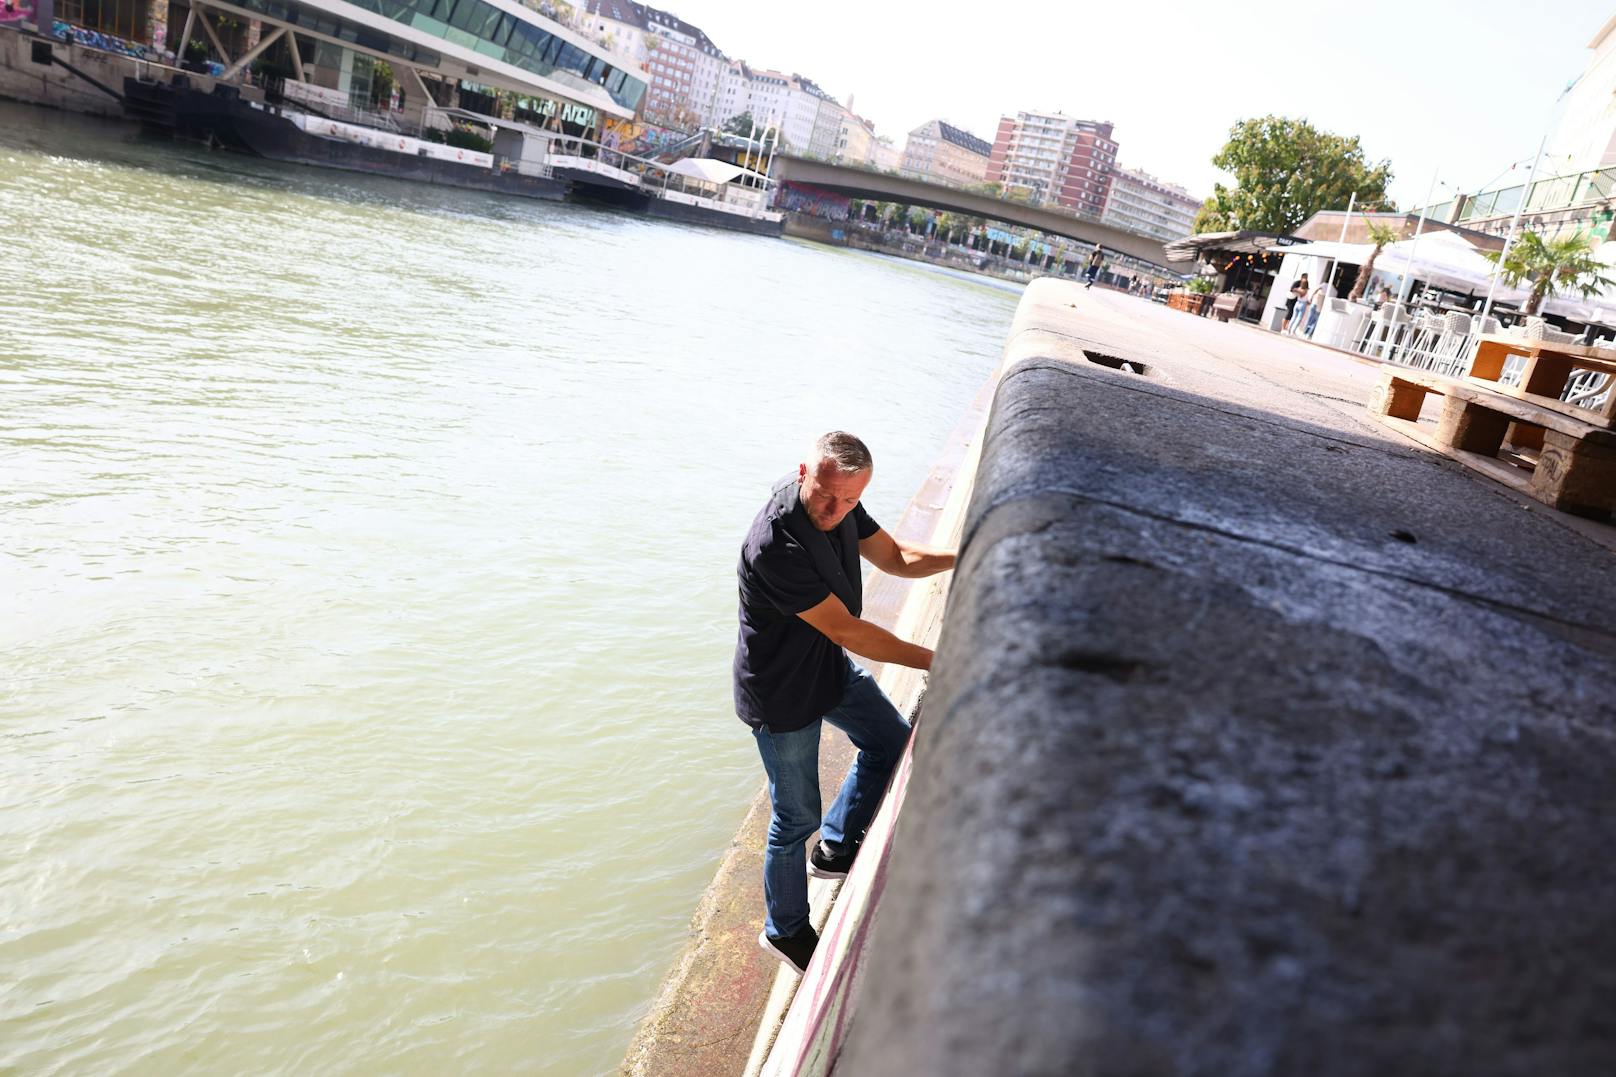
x=1454, y=89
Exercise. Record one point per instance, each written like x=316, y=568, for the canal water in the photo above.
x=367, y=595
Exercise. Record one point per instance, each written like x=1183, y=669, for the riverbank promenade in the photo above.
x=1260, y=740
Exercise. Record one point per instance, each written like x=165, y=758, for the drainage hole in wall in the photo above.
x=1127, y=366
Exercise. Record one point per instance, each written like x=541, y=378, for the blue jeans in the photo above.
x=791, y=761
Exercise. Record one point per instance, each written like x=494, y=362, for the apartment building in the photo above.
x=1141, y=203
x=1054, y=159
x=682, y=61
x=942, y=153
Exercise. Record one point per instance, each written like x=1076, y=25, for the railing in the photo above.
x=274, y=88
x=585, y=150
x=652, y=176
x=1554, y=193
x=682, y=147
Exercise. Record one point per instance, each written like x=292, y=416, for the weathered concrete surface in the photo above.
x=21, y=79
x=1259, y=741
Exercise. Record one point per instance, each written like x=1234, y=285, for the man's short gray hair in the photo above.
x=847, y=452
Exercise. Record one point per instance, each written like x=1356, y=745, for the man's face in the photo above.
x=828, y=493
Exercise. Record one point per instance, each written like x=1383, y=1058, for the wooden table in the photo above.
x=1548, y=369
x=1562, y=461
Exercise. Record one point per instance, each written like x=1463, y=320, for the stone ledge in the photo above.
x=1258, y=742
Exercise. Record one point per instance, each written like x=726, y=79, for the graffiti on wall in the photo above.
x=802, y=198
x=640, y=139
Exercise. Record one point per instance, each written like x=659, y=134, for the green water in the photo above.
x=366, y=595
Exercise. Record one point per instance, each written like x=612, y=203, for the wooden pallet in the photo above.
x=1548, y=370
x=1566, y=463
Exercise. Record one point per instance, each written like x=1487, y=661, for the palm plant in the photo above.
x=1380, y=235
x=1556, y=265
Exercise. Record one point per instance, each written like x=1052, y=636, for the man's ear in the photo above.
x=802, y=473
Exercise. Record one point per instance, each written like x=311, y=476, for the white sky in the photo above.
x=1459, y=89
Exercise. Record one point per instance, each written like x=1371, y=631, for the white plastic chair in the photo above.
x=1423, y=334
x=1391, y=331
x=1449, y=353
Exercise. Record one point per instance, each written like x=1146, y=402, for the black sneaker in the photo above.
x=824, y=864
x=794, y=950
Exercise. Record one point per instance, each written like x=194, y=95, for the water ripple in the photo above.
x=368, y=570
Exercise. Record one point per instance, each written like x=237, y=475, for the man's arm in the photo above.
x=903, y=558
x=832, y=619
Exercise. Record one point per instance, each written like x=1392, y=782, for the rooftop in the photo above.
x=964, y=139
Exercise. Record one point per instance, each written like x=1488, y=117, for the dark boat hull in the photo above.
x=227, y=120
x=717, y=218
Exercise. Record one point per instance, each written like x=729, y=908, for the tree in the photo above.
x=954, y=227
x=1566, y=264
x=739, y=125
x=1379, y=235
x=1285, y=171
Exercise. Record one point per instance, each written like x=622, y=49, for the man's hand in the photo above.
x=861, y=637
x=904, y=558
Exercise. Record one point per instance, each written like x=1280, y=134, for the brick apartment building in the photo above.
x=1055, y=159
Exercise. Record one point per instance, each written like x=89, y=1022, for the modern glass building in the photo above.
x=497, y=42
x=516, y=36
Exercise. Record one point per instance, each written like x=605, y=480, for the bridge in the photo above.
x=885, y=187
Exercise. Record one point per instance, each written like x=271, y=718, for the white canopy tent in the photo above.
x=1451, y=262
x=1445, y=259
x=1454, y=263
x=708, y=170
x=1329, y=248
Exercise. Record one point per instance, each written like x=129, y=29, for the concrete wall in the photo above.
x=1258, y=741
x=21, y=79
x=801, y=226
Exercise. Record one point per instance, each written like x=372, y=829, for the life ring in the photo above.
x=460, y=155
x=401, y=143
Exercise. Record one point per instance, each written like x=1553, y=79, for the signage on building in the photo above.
x=570, y=113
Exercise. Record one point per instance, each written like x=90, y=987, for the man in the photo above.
x=1096, y=263
x=801, y=598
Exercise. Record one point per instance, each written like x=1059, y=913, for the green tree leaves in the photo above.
x=1566, y=264
x=1285, y=171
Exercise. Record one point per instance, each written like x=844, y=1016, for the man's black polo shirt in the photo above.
x=788, y=673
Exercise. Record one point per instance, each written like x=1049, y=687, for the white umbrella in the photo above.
x=1443, y=258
